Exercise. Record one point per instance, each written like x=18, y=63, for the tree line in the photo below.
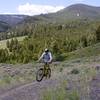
x=57, y=37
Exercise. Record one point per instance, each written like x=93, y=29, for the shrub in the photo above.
x=75, y=71
x=59, y=57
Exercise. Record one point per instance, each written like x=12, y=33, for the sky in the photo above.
x=36, y=7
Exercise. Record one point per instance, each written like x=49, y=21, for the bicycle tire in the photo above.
x=48, y=73
x=40, y=74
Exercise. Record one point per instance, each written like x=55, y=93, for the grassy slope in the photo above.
x=3, y=42
x=93, y=50
x=77, y=73
x=71, y=86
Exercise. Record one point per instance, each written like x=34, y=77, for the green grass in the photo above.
x=59, y=94
x=9, y=81
x=84, y=71
x=13, y=78
x=93, y=50
x=3, y=42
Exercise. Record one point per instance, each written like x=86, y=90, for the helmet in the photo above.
x=46, y=50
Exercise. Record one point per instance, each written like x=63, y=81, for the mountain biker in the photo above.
x=46, y=56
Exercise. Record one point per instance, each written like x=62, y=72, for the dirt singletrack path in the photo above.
x=95, y=88
x=29, y=91
x=32, y=91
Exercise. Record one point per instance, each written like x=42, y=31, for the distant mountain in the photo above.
x=81, y=11
x=4, y=26
x=70, y=13
x=8, y=21
x=73, y=12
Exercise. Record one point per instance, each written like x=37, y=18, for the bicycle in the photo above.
x=43, y=72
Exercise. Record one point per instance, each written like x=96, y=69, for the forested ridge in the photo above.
x=59, y=38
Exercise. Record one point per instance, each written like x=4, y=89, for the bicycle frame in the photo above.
x=46, y=66
x=43, y=72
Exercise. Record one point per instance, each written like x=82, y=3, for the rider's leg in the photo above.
x=45, y=69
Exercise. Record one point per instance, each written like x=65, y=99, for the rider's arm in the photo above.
x=41, y=57
x=50, y=57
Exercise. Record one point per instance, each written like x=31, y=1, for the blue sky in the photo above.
x=33, y=7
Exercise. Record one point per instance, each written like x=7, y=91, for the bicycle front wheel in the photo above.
x=40, y=75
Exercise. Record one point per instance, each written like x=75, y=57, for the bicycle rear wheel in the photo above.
x=40, y=75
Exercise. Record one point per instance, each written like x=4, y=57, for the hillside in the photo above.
x=90, y=51
x=82, y=11
x=73, y=12
x=8, y=21
x=3, y=42
x=76, y=12
x=43, y=32
x=76, y=79
x=4, y=26
x=12, y=19
x=73, y=37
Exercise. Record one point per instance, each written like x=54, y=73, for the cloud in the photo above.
x=33, y=9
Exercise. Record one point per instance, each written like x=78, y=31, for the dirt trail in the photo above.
x=95, y=88
x=33, y=90
x=29, y=91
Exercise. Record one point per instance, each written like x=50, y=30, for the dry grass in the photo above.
x=3, y=42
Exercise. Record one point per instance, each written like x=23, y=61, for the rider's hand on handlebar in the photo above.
x=37, y=61
x=50, y=62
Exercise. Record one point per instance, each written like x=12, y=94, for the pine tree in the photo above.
x=8, y=44
x=98, y=34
